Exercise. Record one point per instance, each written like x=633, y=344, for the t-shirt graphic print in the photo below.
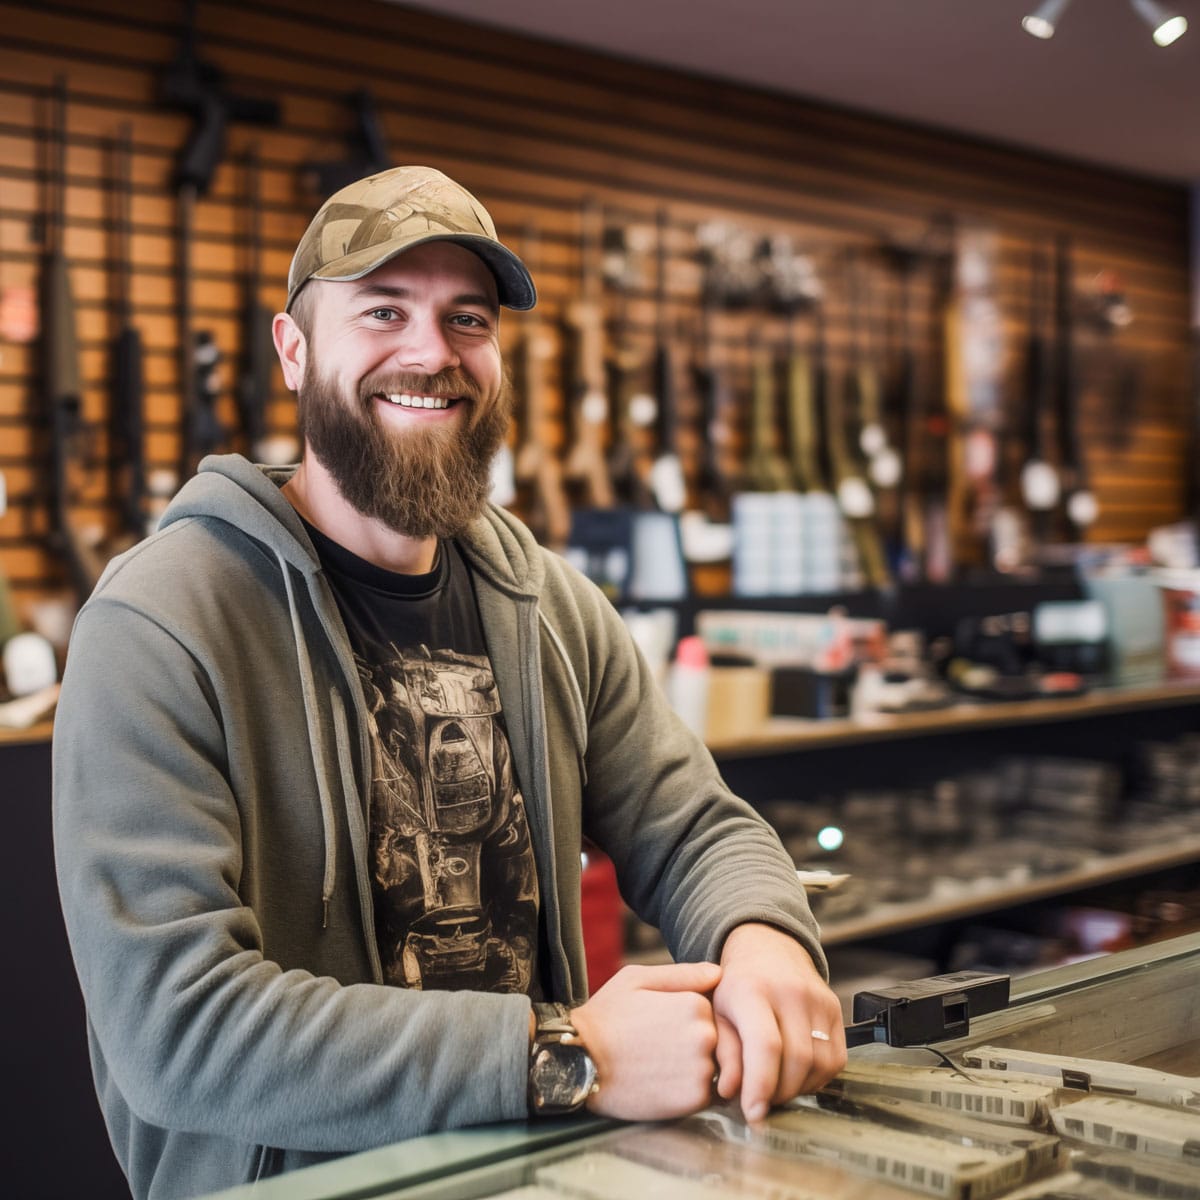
x=455, y=886
x=453, y=875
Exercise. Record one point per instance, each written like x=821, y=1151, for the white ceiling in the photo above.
x=1100, y=90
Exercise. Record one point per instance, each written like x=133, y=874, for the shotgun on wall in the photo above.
x=253, y=393
x=60, y=373
x=198, y=88
x=586, y=467
x=127, y=381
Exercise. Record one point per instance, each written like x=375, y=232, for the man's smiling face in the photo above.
x=403, y=398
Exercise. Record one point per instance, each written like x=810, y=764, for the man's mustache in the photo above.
x=452, y=382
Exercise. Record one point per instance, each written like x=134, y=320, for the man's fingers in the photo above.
x=828, y=1059
x=762, y=1049
x=729, y=1059
x=797, y=1057
x=677, y=977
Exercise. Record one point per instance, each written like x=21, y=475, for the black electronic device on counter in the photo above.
x=920, y=1011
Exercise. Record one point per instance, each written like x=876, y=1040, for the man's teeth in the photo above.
x=407, y=401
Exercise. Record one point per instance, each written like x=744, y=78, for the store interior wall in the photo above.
x=535, y=130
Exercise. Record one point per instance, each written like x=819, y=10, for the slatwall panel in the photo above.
x=535, y=130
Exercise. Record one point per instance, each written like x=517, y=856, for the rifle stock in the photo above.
x=766, y=469
x=803, y=426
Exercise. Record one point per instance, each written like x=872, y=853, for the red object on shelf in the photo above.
x=603, y=918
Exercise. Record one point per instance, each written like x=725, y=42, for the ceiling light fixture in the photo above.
x=1166, y=26
x=1042, y=21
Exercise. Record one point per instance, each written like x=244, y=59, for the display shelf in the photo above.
x=892, y=918
x=783, y=734
x=39, y=732
x=883, y=919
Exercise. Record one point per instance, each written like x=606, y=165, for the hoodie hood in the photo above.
x=230, y=488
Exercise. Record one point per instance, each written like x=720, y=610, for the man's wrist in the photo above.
x=562, y=1074
x=749, y=933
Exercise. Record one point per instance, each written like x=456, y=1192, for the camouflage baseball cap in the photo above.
x=371, y=221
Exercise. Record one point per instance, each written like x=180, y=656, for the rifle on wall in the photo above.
x=127, y=453
x=903, y=404
x=537, y=469
x=257, y=344
x=928, y=514
x=803, y=413
x=60, y=372
x=634, y=409
x=368, y=151
x=808, y=443
x=666, y=472
x=585, y=465
x=766, y=469
x=711, y=384
x=854, y=495
x=1081, y=506
x=1040, y=486
x=198, y=88
x=884, y=466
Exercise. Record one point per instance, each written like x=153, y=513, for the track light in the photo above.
x=1166, y=26
x=1042, y=21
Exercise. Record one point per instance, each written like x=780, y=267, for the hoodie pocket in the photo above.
x=270, y=1162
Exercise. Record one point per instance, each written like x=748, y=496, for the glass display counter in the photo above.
x=1040, y=1134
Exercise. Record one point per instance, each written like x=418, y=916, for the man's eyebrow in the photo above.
x=388, y=292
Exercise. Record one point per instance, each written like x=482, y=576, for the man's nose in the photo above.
x=426, y=346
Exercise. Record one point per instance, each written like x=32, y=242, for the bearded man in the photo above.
x=328, y=747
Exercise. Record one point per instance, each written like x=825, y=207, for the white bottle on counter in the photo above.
x=687, y=683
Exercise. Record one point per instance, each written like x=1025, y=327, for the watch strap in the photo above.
x=555, y=1034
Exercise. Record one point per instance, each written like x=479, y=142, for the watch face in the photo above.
x=561, y=1076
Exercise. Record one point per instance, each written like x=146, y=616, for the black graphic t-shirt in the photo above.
x=453, y=876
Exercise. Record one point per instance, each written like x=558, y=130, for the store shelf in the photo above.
x=892, y=918
x=26, y=737
x=884, y=919
x=782, y=734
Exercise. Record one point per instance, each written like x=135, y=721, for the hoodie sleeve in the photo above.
x=199, y=1030
x=692, y=858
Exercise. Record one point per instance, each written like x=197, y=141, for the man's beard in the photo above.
x=430, y=482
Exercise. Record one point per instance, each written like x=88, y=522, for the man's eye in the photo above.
x=383, y=314
x=469, y=320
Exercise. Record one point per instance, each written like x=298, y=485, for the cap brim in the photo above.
x=514, y=284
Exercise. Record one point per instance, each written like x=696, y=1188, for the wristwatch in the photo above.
x=562, y=1074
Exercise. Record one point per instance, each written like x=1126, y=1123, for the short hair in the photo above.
x=302, y=312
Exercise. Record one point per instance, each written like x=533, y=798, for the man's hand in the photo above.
x=651, y=1033
x=770, y=1006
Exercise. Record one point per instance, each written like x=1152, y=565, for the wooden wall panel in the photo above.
x=534, y=129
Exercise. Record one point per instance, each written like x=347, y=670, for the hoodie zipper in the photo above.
x=534, y=703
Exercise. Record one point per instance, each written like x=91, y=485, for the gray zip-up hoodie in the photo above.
x=211, y=782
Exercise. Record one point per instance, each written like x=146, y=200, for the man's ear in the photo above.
x=292, y=348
